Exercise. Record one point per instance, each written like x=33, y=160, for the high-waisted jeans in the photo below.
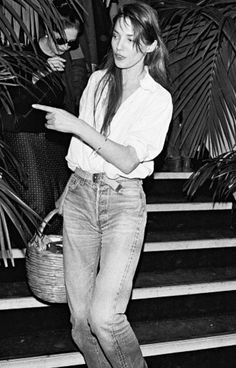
x=103, y=235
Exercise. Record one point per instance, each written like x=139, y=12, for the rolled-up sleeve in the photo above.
x=141, y=121
x=148, y=133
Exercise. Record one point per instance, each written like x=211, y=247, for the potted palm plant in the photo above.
x=19, y=25
x=201, y=38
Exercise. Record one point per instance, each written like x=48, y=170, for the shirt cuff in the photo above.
x=140, y=148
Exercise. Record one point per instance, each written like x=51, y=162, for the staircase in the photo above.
x=184, y=297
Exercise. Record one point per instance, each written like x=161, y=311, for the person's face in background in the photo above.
x=64, y=44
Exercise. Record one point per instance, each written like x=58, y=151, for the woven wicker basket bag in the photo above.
x=44, y=265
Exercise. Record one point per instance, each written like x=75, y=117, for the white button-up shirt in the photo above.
x=141, y=121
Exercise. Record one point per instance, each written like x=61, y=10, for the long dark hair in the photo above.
x=69, y=16
x=144, y=20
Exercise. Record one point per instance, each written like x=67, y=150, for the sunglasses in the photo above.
x=61, y=41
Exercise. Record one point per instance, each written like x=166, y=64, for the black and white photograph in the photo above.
x=117, y=184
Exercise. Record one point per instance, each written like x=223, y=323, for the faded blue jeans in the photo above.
x=103, y=235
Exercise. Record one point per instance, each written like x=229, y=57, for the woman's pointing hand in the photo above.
x=58, y=119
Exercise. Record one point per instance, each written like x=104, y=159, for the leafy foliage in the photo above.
x=19, y=25
x=201, y=37
x=220, y=172
x=13, y=211
x=16, y=32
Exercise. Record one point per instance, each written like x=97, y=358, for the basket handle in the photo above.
x=46, y=220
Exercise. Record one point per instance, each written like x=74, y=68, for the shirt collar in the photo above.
x=148, y=82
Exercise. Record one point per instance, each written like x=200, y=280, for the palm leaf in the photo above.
x=19, y=214
x=17, y=66
x=5, y=236
x=12, y=53
x=219, y=172
x=8, y=161
x=19, y=25
x=201, y=38
x=42, y=9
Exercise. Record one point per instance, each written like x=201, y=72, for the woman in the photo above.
x=124, y=117
x=55, y=50
x=42, y=152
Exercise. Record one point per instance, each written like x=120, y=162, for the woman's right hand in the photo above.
x=56, y=63
x=60, y=201
x=59, y=119
x=59, y=204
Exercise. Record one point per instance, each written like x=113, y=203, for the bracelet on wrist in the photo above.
x=100, y=147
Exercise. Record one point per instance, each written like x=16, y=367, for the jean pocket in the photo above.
x=131, y=189
x=133, y=197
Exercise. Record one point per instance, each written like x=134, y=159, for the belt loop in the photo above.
x=82, y=181
x=95, y=178
x=113, y=184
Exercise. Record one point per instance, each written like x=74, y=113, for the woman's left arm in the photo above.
x=122, y=157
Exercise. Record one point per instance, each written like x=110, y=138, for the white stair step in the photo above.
x=189, y=245
x=188, y=206
x=172, y=175
x=138, y=293
x=20, y=303
x=170, y=347
x=168, y=246
x=17, y=253
x=185, y=289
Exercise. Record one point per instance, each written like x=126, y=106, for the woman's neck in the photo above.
x=131, y=82
x=132, y=77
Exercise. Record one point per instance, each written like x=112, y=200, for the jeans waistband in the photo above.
x=98, y=178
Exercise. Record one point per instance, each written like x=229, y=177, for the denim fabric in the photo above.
x=103, y=235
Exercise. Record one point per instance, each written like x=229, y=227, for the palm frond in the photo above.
x=8, y=161
x=19, y=26
x=6, y=251
x=25, y=16
x=17, y=30
x=220, y=172
x=201, y=38
x=17, y=213
x=17, y=66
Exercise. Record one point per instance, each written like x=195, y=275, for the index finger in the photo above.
x=44, y=107
x=57, y=58
x=60, y=58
